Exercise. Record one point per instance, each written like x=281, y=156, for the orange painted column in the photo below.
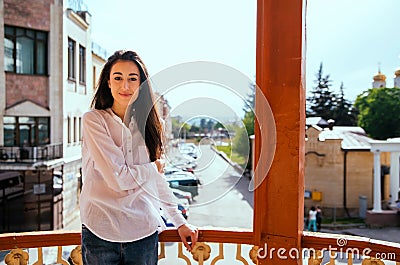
x=279, y=199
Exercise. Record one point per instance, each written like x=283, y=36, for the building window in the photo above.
x=82, y=64
x=69, y=125
x=80, y=129
x=25, y=51
x=94, y=78
x=26, y=131
x=74, y=130
x=71, y=59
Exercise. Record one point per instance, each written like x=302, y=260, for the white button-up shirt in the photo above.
x=122, y=191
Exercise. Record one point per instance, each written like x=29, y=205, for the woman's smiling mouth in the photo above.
x=125, y=94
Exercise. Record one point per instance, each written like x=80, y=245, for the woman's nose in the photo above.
x=126, y=85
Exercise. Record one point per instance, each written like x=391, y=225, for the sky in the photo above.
x=353, y=39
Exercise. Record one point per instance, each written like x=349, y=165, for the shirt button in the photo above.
x=130, y=151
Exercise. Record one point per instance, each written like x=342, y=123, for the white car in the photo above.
x=183, y=195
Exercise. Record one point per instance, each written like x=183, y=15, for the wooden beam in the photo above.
x=279, y=199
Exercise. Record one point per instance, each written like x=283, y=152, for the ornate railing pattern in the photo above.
x=30, y=153
x=315, y=244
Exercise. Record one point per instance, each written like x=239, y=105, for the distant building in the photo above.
x=46, y=84
x=339, y=171
x=380, y=79
x=397, y=78
x=318, y=121
x=163, y=109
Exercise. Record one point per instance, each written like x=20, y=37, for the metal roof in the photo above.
x=353, y=137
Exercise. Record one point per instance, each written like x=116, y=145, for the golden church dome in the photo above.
x=379, y=77
x=397, y=72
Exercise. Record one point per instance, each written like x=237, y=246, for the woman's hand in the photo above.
x=160, y=165
x=186, y=232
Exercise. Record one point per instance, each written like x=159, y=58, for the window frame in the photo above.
x=69, y=130
x=35, y=126
x=71, y=59
x=37, y=41
x=82, y=65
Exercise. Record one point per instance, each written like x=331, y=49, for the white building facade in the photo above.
x=46, y=84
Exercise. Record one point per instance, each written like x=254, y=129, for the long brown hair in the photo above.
x=146, y=117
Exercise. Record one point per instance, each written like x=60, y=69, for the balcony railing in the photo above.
x=210, y=248
x=30, y=154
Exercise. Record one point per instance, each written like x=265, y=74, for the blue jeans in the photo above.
x=313, y=224
x=97, y=251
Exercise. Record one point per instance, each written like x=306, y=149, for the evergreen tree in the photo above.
x=242, y=143
x=323, y=100
x=344, y=113
x=203, y=125
x=210, y=125
x=250, y=99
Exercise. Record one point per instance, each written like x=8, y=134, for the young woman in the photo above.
x=312, y=219
x=123, y=188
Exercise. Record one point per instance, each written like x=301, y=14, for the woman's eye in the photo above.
x=133, y=79
x=117, y=78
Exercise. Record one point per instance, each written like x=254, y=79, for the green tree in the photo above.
x=194, y=129
x=185, y=128
x=242, y=143
x=344, y=113
x=250, y=99
x=219, y=125
x=323, y=100
x=176, y=125
x=248, y=122
x=203, y=125
x=379, y=110
x=210, y=125
x=248, y=119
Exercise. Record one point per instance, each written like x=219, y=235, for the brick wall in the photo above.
x=324, y=165
x=28, y=14
x=27, y=87
x=32, y=15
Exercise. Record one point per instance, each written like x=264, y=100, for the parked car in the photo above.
x=183, y=162
x=172, y=169
x=184, y=195
x=189, y=149
x=183, y=208
x=184, y=181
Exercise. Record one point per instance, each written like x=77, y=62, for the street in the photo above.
x=224, y=199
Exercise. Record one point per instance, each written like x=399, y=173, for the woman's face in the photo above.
x=124, y=83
